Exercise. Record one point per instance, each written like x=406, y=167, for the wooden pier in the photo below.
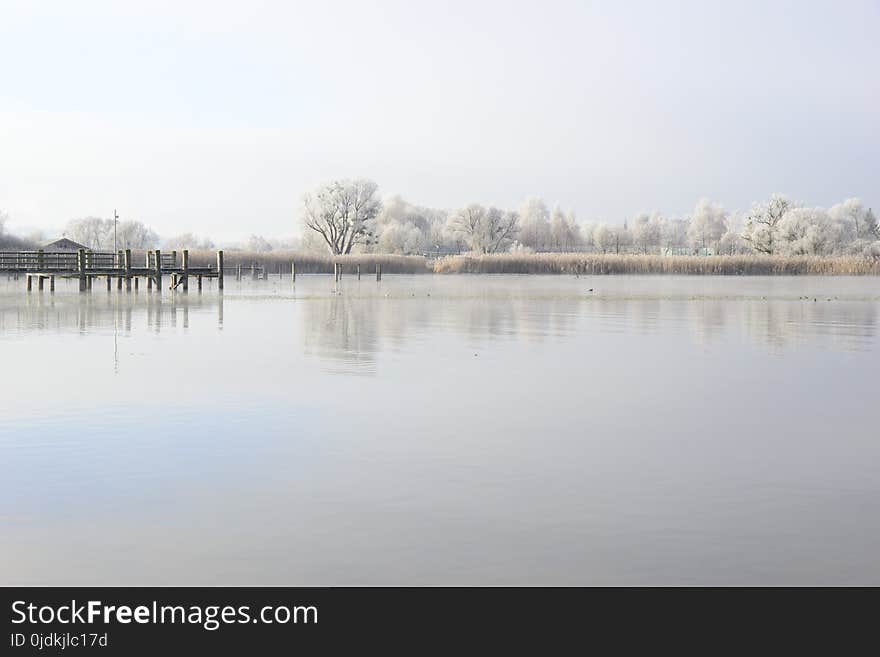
x=86, y=266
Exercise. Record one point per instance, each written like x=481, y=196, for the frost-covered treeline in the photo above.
x=187, y=241
x=347, y=215
x=97, y=233
x=777, y=226
x=350, y=216
x=780, y=226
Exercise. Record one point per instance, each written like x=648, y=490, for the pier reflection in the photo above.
x=97, y=311
x=345, y=326
x=348, y=327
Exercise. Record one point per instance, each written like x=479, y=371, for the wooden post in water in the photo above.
x=220, y=270
x=378, y=272
x=292, y=271
x=199, y=279
x=40, y=283
x=136, y=279
x=359, y=272
x=109, y=282
x=238, y=272
x=186, y=270
x=51, y=284
x=149, y=283
x=279, y=271
x=81, y=266
x=158, y=270
x=29, y=282
x=126, y=261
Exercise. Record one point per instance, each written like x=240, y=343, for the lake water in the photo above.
x=443, y=430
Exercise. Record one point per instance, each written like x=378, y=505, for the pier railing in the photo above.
x=47, y=261
x=169, y=259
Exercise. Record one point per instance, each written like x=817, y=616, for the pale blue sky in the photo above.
x=215, y=117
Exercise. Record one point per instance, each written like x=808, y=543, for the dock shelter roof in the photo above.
x=64, y=244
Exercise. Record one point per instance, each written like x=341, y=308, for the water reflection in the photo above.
x=437, y=430
x=345, y=326
x=94, y=312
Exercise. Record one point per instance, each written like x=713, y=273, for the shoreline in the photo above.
x=279, y=263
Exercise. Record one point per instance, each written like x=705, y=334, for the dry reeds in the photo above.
x=596, y=263
x=553, y=263
x=308, y=263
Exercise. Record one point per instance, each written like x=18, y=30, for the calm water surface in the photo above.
x=443, y=430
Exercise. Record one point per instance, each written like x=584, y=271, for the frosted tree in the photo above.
x=574, y=230
x=564, y=231
x=588, y=236
x=761, y=229
x=135, y=235
x=94, y=232
x=707, y=225
x=406, y=238
x=807, y=231
x=439, y=235
x=646, y=231
x=606, y=238
x=97, y=234
x=673, y=234
x=485, y=230
x=466, y=224
x=402, y=227
x=501, y=229
x=732, y=242
x=187, y=241
x=623, y=238
x=535, y=224
x=258, y=243
x=854, y=220
x=342, y=213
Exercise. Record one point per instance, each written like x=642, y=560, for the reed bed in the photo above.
x=552, y=263
x=308, y=263
x=596, y=263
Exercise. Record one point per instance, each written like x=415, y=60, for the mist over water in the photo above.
x=443, y=430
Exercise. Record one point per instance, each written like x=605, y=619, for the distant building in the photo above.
x=65, y=244
x=441, y=251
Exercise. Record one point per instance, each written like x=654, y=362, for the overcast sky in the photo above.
x=215, y=117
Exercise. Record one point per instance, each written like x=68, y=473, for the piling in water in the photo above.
x=127, y=263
